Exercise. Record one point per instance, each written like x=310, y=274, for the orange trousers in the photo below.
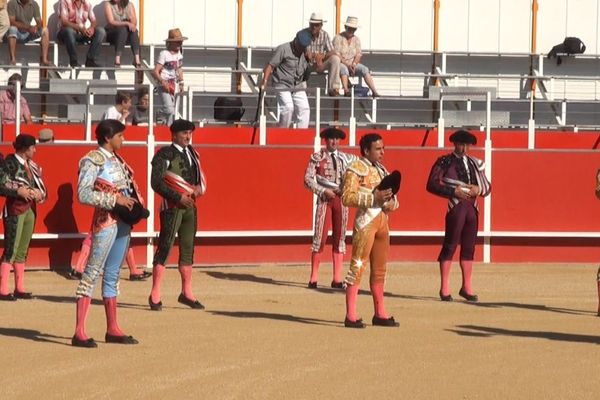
x=370, y=245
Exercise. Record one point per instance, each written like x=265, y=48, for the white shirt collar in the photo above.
x=107, y=153
x=178, y=147
x=20, y=159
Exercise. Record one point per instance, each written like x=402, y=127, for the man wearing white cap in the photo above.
x=347, y=45
x=289, y=70
x=322, y=55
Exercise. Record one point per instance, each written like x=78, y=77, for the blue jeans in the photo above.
x=22, y=36
x=69, y=37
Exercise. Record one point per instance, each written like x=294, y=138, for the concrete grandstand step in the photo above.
x=79, y=86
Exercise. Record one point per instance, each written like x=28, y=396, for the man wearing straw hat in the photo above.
x=322, y=55
x=168, y=72
x=347, y=45
x=289, y=70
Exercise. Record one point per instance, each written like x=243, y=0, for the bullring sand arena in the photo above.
x=265, y=335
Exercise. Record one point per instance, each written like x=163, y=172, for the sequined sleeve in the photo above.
x=88, y=172
x=7, y=187
x=352, y=194
x=435, y=183
x=310, y=181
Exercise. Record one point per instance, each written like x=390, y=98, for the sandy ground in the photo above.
x=264, y=335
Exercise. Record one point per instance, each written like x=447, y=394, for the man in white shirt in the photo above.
x=120, y=111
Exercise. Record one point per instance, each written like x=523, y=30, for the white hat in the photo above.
x=316, y=18
x=351, y=22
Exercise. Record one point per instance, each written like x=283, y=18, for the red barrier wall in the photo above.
x=252, y=188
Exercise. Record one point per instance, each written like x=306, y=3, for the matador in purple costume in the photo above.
x=460, y=178
x=323, y=177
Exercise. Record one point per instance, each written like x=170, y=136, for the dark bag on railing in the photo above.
x=574, y=45
x=228, y=109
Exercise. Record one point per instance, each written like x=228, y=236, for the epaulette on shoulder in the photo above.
x=445, y=161
x=167, y=153
x=96, y=157
x=359, y=167
x=318, y=156
x=11, y=164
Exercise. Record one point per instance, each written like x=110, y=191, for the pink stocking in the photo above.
x=351, y=296
x=4, y=273
x=186, y=281
x=19, y=276
x=445, y=276
x=158, y=272
x=467, y=271
x=130, y=259
x=83, y=254
x=83, y=307
x=315, y=261
x=377, y=293
x=338, y=259
x=112, y=326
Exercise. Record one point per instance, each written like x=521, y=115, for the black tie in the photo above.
x=334, y=162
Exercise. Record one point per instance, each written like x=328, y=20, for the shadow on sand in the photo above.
x=486, y=331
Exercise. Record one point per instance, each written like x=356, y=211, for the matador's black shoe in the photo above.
x=337, y=285
x=312, y=285
x=140, y=277
x=7, y=297
x=154, y=306
x=123, y=339
x=446, y=297
x=469, y=297
x=75, y=275
x=23, y=295
x=389, y=322
x=189, y=302
x=89, y=343
x=354, y=324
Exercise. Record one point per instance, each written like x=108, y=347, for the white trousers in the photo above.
x=293, y=104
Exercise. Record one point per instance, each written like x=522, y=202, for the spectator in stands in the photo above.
x=140, y=111
x=289, y=67
x=4, y=20
x=322, y=55
x=347, y=45
x=120, y=111
x=8, y=99
x=74, y=15
x=20, y=13
x=122, y=29
x=168, y=72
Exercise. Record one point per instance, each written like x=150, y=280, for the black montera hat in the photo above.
x=23, y=141
x=463, y=137
x=181, y=125
x=332, y=133
x=391, y=181
x=133, y=216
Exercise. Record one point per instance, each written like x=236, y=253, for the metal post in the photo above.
x=249, y=57
x=441, y=122
x=88, y=114
x=487, y=202
x=563, y=113
x=190, y=102
x=149, y=192
x=18, y=108
x=262, y=126
x=352, y=127
x=151, y=109
x=374, y=110
x=318, y=111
